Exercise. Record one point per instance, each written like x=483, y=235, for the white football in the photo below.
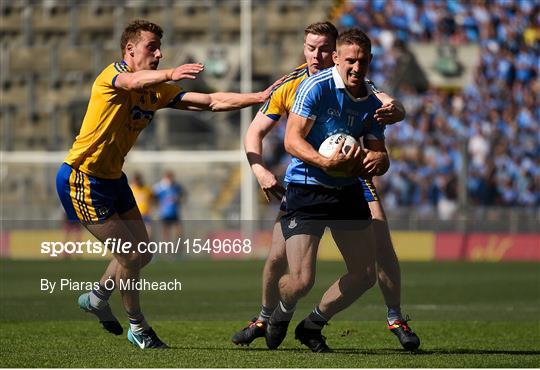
x=330, y=144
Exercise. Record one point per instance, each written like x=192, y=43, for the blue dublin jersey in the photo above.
x=324, y=99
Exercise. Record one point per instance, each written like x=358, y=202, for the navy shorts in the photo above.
x=370, y=194
x=90, y=199
x=311, y=208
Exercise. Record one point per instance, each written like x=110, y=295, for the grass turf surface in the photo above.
x=467, y=315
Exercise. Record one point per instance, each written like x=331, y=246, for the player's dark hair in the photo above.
x=354, y=36
x=133, y=31
x=322, y=29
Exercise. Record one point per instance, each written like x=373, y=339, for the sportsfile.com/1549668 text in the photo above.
x=182, y=245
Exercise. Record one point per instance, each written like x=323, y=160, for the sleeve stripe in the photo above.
x=265, y=106
x=176, y=99
x=120, y=67
x=114, y=80
x=304, y=90
x=274, y=117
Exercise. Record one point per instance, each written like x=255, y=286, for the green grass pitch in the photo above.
x=467, y=315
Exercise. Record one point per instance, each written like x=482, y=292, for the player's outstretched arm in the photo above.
x=257, y=130
x=141, y=79
x=392, y=111
x=224, y=101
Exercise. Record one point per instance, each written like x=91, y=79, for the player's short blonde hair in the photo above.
x=133, y=31
x=354, y=36
x=323, y=29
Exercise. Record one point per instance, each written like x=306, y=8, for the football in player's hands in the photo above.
x=330, y=144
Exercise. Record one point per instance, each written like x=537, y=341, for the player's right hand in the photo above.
x=350, y=163
x=270, y=185
x=186, y=71
x=375, y=163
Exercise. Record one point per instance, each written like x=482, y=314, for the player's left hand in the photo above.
x=390, y=113
x=186, y=71
x=375, y=163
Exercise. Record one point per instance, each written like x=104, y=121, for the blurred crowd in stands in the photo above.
x=494, y=119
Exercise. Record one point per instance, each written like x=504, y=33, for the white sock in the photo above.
x=97, y=302
x=137, y=323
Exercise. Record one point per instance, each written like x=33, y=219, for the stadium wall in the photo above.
x=410, y=246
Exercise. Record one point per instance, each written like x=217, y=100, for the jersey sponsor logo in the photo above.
x=137, y=113
x=140, y=118
x=153, y=97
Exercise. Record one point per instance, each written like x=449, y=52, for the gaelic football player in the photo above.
x=318, y=47
x=90, y=183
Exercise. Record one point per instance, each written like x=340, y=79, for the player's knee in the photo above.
x=370, y=279
x=363, y=281
x=130, y=260
x=303, y=284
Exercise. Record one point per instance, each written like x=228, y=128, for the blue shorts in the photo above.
x=370, y=194
x=90, y=199
x=312, y=208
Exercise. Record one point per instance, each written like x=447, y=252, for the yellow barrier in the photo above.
x=409, y=246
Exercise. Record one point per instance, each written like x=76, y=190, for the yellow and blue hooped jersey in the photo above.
x=113, y=121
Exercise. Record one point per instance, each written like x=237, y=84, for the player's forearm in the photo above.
x=253, y=142
x=227, y=101
x=301, y=149
x=253, y=147
x=141, y=79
